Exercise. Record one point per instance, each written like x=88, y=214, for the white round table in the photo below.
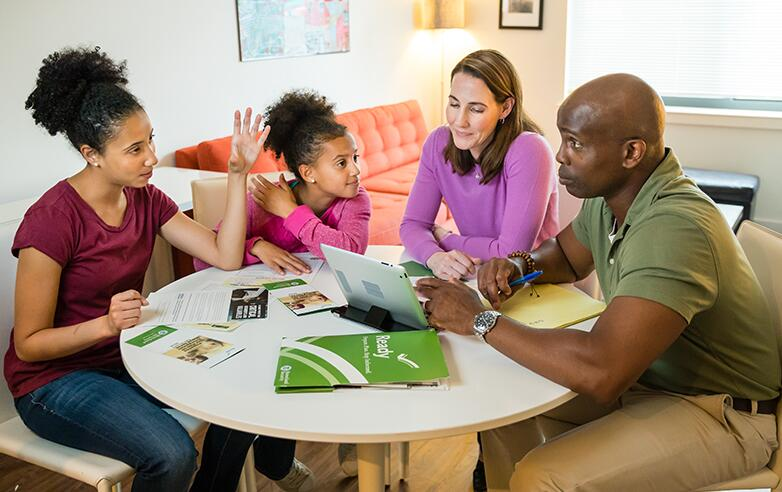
x=487, y=390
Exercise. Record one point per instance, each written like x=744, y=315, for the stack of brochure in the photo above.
x=385, y=360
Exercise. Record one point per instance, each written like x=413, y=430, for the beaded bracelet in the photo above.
x=526, y=256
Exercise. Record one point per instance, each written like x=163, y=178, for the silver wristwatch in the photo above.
x=484, y=322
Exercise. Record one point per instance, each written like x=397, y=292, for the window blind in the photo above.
x=726, y=51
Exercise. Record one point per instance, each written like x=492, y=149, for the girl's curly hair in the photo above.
x=301, y=122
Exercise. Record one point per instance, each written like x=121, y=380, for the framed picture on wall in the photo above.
x=521, y=14
x=284, y=28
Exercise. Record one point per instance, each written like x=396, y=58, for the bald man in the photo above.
x=679, y=377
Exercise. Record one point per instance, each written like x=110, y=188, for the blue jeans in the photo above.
x=106, y=413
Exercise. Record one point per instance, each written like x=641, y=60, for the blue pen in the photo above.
x=526, y=278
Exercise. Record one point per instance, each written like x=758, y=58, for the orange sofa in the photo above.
x=389, y=141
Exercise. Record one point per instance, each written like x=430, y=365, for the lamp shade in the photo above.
x=442, y=14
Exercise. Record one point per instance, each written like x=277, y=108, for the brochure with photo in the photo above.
x=249, y=303
x=407, y=359
x=206, y=306
x=311, y=301
x=198, y=350
x=260, y=275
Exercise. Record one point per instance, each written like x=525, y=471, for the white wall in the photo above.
x=184, y=65
x=702, y=143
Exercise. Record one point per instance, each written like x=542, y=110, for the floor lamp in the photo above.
x=442, y=14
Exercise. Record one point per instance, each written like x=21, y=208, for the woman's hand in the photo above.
x=278, y=199
x=453, y=264
x=245, y=143
x=439, y=232
x=451, y=305
x=124, y=311
x=494, y=278
x=278, y=259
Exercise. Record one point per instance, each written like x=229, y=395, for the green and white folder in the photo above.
x=394, y=360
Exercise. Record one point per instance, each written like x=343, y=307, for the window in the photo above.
x=704, y=53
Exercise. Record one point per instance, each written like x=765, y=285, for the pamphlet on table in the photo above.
x=260, y=274
x=182, y=345
x=207, y=306
x=405, y=359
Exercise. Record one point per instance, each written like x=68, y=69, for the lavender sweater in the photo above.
x=518, y=209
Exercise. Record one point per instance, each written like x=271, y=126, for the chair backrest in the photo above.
x=209, y=200
x=7, y=286
x=763, y=248
x=209, y=197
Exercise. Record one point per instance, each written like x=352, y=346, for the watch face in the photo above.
x=485, y=320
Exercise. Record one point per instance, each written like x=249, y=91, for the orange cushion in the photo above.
x=387, y=136
x=398, y=180
x=213, y=156
x=186, y=157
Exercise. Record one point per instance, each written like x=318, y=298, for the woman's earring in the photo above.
x=502, y=121
x=312, y=180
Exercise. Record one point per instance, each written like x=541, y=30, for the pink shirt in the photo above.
x=518, y=209
x=345, y=224
x=97, y=260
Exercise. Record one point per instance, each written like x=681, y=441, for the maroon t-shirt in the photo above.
x=97, y=260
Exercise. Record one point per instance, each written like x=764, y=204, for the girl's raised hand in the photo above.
x=246, y=143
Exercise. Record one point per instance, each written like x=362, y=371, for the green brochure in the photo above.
x=402, y=359
x=415, y=269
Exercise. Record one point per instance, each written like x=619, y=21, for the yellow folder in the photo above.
x=552, y=307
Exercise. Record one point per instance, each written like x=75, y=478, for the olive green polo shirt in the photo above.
x=675, y=248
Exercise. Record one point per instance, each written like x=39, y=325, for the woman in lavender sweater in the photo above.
x=492, y=167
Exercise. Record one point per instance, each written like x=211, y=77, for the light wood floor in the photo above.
x=436, y=465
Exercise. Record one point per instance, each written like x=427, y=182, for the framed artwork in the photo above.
x=285, y=28
x=521, y=14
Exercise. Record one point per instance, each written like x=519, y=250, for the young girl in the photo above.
x=83, y=248
x=323, y=204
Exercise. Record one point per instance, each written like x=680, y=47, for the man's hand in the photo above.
x=452, y=265
x=494, y=278
x=278, y=259
x=451, y=306
x=277, y=199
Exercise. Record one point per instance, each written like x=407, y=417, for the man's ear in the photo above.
x=634, y=151
x=90, y=155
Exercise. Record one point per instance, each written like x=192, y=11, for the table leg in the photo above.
x=371, y=464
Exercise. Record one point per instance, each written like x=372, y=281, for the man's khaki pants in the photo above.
x=650, y=440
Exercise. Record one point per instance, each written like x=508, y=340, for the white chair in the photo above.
x=19, y=442
x=763, y=248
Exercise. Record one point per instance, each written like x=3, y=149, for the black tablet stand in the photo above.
x=376, y=317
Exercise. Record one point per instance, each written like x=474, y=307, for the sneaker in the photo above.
x=299, y=478
x=346, y=453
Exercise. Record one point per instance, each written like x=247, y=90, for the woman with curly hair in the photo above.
x=323, y=204
x=83, y=248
